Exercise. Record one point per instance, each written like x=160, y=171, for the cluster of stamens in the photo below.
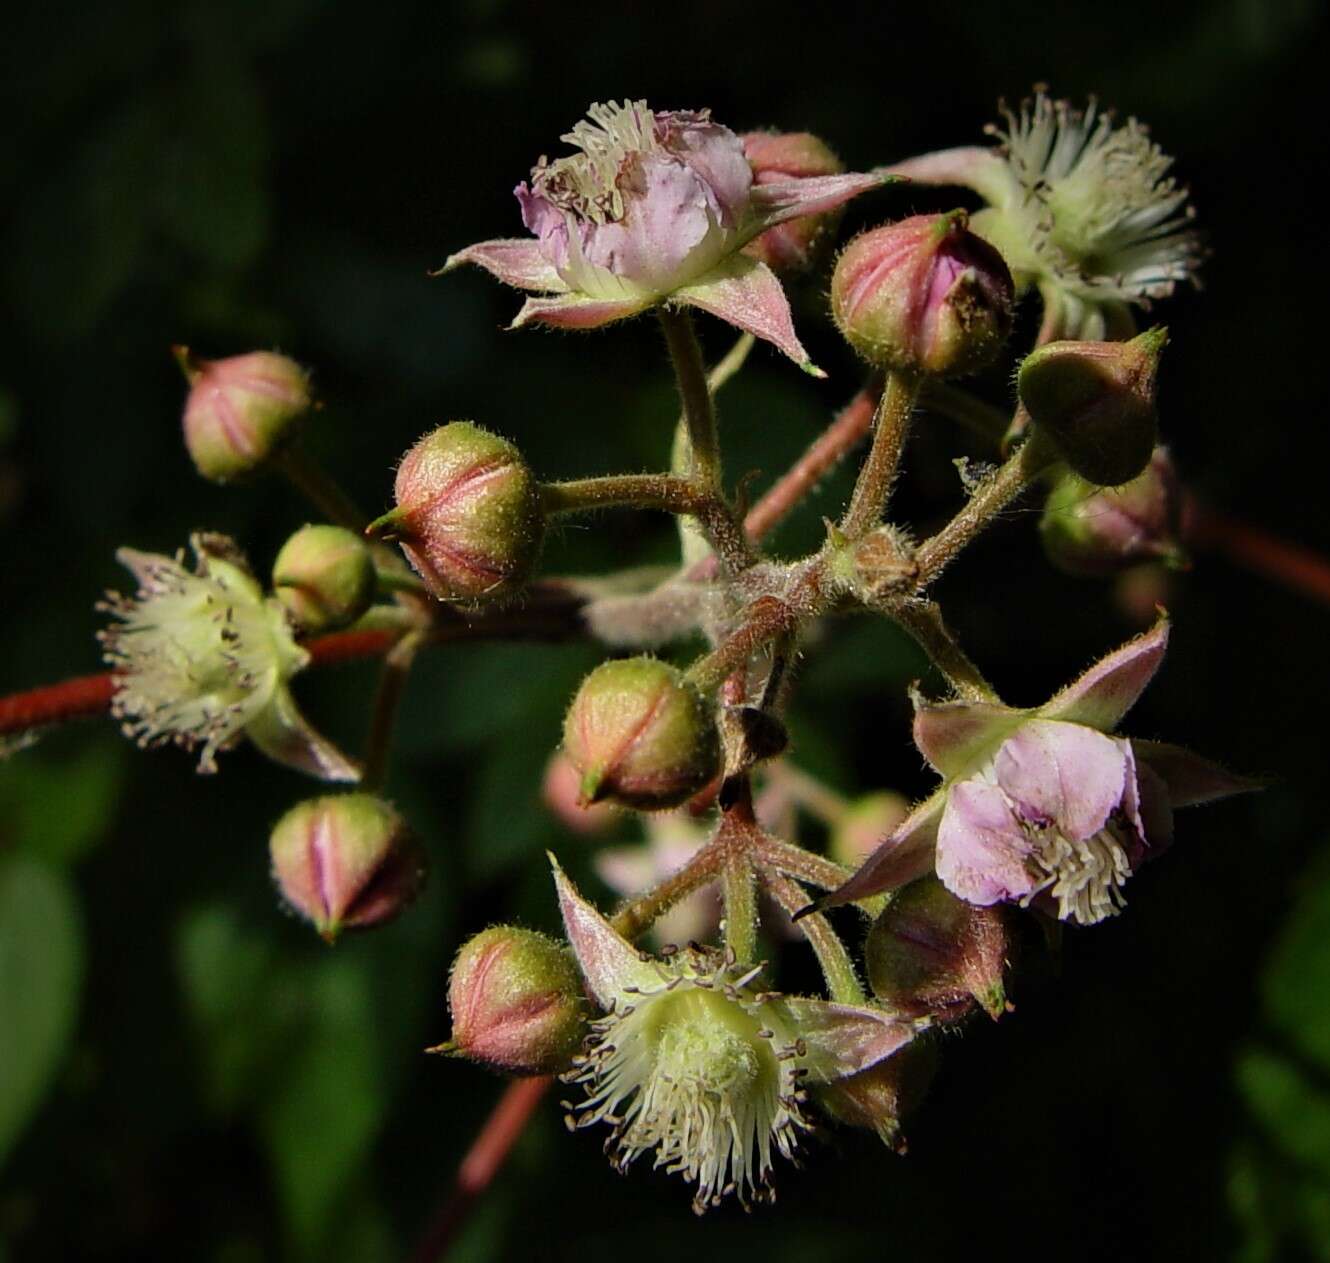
x=587, y=184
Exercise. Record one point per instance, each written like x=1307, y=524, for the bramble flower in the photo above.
x=1081, y=208
x=1045, y=804
x=693, y=1062
x=655, y=206
x=202, y=658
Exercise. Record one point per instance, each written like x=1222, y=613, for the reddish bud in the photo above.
x=516, y=1002
x=924, y=295
x=795, y=245
x=639, y=733
x=468, y=514
x=324, y=577
x=239, y=409
x=345, y=861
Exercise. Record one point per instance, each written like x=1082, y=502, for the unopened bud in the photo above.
x=866, y=824
x=1096, y=401
x=468, y=514
x=1091, y=530
x=641, y=734
x=877, y=1099
x=930, y=954
x=924, y=295
x=561, y=791
x=324, y=577
x=239, y=409
x=346, y=861
x=797, y=244
x=516, y=1002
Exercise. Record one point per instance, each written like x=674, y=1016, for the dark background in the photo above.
x=185, y=1073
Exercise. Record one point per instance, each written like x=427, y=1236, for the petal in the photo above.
x=843, y=1039
x=285, y=736
x=1108, y=690
x=747, y=294
x=902, y=857
x=1063, y=774
x=970, y=166
x=1191, y=779
x=981, y=847
x=518, y=262
x=779, y=200
x=1155, y=813
x=956, y=736
x=576, y=311
x=610, y=964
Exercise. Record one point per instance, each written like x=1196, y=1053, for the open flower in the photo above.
x=1045, y=804
x=693, y=1062
x=654, y=206
x=1081, y=208
x=201, y=658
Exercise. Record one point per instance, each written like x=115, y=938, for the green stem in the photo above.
x=779, y=856
x=993, y=495
x=699, y=416
x=843, y=983
x=923, y=620
x=319, y=487
x=766, y=619
x=890, y=428
x=639, y=915
x=739, y=890
x=392, y=684
x=642, y=491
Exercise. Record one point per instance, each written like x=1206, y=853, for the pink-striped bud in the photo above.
x=324, y=577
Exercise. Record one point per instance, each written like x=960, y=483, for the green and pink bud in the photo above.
x=324, y=577
x=346, y=861
x=468, y=516
x=797, y=244
x=641, y=734
x=516, y=1002
x=923, y=296
x=240, y=409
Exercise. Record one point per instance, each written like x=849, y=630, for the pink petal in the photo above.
x=904, y=856
x=1191, y=779
x=843, y=1039
x=747, y=294
x=955, y=736
x=796, y=196
x=970, y=166
x=573, y=311
x=1108, y=690
x=1063, y=774
x=609, y=962
x=515, y=262
x=981, y=847
x=286, y=737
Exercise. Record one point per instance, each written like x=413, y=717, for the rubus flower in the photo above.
x=655, y=206
x=202, y=658
x=1045, y=804
x=1083, y=209
x=694, y=1063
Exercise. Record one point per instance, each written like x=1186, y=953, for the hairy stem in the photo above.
x=890, y=428
x=765, y=620
x=739, y=891
x=638, y=916
x=923, y=620
x=699, y=416
x=777, y=855
x=643, y=491
x=837, y=968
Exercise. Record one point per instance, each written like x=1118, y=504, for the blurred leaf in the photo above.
x=41, y=969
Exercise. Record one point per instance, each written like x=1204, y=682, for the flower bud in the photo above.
x=878, y=1098
x=516, y=1002
x=468, y=514
x=345, y=861
x=324, y=577
x=924, y=295
x=641, y=734
x=239, y=409
x=930, y=954
x=561, y=790
x=1096, y=401
x=775, y=157
x=1090, y=530
x=866, y=823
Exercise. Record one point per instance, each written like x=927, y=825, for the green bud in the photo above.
x=324, y=577
x=1096, y=401
x=641, y=734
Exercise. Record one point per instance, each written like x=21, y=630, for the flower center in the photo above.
x=588, y=184
x=1085, y=875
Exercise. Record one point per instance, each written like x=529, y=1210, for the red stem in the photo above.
x=482, y=1163
x=1293, y=565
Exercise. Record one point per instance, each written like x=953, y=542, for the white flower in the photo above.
x=201, y=658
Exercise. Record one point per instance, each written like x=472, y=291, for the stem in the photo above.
x=732, y=362
x=890, y=429
x=739, y=890
x=699, y=416
x=392, y=684
x=639, y=915
x=992, y=496
x=837, y=968
x=766, y=619
x=984, y=420
x=642, y=491
x=482, y=1162
x=923, y=620
x=777, y=855
x=826, y=451
x=318, y=487
x=1259, y=551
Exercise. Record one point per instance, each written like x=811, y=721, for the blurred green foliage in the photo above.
x=186, y=1073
